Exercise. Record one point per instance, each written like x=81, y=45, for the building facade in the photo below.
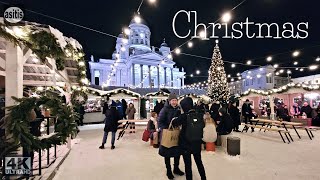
x=262, y=78
x=136, y=64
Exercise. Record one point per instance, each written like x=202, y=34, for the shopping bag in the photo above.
x=146, y=135
x=170, y=136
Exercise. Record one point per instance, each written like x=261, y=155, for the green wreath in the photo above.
x=78, y=98
x=17, y=121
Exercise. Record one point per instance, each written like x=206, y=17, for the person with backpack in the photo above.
x=167, y=113
x=190, y=138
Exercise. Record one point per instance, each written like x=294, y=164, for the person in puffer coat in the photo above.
x=167, y=113
x=209, y=131
x=186, y=146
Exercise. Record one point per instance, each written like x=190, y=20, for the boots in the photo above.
x=101, y=147
x=169, y=174
x=112, y=147
x=177, y=171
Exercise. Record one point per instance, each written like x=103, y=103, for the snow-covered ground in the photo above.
x=263, y=156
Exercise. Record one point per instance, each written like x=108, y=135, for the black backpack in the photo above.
x=194, y=128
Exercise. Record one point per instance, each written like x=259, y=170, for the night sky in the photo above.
x=111, y=16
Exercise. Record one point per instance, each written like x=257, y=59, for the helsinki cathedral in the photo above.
x=136, y=64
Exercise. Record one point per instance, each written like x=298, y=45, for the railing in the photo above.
x=48, y=122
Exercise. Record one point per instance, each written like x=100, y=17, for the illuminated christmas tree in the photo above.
x=218, y=88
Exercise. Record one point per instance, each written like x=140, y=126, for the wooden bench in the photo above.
x=309, y=130
x=280, y=131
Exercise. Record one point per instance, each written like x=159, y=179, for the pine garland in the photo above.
x=17, y=122
x=218, y=89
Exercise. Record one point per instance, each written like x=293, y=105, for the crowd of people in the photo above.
x=214, y=121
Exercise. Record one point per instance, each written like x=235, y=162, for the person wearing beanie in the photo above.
x=190, y=147
x=167, y=113
x=226, y=124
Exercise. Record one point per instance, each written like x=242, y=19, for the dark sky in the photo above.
x=111, y=16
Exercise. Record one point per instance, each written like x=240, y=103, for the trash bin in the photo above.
x=233, y=146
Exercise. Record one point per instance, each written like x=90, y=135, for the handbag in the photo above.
x=170, y=136
x=146, y=135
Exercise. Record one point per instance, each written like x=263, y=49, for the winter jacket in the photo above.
x=226, y=125
x=247, y=110
x=235, y=115
x=120, y=109
x=214, y=111
x=111, y=120
x=209, y=133
x=166, y=115
x=307, y=110
x=130, y=112
x=124, y=106
x=186, y=146
x=158, y=107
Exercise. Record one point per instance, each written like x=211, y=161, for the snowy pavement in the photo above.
x=263, y=156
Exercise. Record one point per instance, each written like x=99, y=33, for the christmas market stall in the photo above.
x=121, y=95
x=290, y=95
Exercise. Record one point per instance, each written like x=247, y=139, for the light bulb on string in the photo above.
x=229, y=76
x=177, y=51
x=226, y=17
x=313, y=67
x=169, y=56
x=289, y=72
x=269, y=58
x=295, y=63
x=152, y=1
x=277, y=73
x=276, y=65
x=127, y=31
x=198, y=72
x=281, y=71
x=318, y=59
x=238, y=74
x=301, y=69
x=296, y=53
x=297, y=69
x=191, y=75
x=249, y=62
x=233, y=65
x=190, y=44
x=137, y=19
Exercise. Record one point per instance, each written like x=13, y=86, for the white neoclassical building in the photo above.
x=136, y=64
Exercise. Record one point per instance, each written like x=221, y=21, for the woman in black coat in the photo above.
x=226, y=124
x=235, y=115
x=111, y=124
x=188, y=148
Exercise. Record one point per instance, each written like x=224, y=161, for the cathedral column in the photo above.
x=182, y=79
x=158, y=76
x=149, y=75
x=141, y=75
x=133, y=76
x=165, y=76
x=171, y=78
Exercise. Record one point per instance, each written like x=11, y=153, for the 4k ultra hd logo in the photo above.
x=17, y=166
x=13, y=14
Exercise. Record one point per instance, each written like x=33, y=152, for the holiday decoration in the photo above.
x=17, y=123
x=78, y=97
x=217, y=81
x=282, y=89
